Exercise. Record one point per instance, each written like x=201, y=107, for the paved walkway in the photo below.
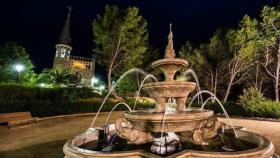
x=47, y=137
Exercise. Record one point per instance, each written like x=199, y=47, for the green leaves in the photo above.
x=10, y=54
x=120, y=33
x=270, y=25
x=243, y=40
x=59, y=78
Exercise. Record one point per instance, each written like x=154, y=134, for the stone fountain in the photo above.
x=163, y=133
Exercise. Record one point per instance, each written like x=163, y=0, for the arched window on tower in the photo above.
x=63, y=53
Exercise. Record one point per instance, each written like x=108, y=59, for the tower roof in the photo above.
x=65, y=38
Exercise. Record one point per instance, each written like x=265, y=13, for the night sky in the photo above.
x=37, y=24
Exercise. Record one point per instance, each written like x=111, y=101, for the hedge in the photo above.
x=43, y=108
x=18, y=92
x=42, y=102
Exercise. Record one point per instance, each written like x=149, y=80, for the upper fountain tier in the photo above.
x=170, y=65
x=169, y=88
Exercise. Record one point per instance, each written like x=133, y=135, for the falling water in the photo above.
x=206, y=101
x=196, y=80
x=169, y=102
x=141, y=85
x=110, y=91
x=221, y=105
x=121, y=103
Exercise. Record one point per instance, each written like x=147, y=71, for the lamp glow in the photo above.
x=18, y=67
x=42, y=85
x=102, y=87
x=95, y=80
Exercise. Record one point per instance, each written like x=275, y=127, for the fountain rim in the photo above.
x=170, y=61
x=169, y=83
x=187, y=115
x=267, y=147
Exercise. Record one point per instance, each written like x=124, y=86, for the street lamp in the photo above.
x=18, y=68
x=94, y=81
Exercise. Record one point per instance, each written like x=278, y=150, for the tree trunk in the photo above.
x=215, y=83
x=276, y=92
x=212, y=83
x=228, y=88
x=277, y=76
x=109, y=78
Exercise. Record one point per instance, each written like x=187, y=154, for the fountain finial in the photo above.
x=169, y=51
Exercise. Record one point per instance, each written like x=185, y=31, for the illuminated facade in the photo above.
x=81, y=66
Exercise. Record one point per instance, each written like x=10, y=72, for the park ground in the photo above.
x=46, y=138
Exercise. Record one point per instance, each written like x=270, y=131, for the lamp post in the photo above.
x=18, y=68
x=94, y=81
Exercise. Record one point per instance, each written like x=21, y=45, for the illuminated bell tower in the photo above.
x=63, y=48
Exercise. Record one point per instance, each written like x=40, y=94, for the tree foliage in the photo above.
x=243, y=47
x=209, y=60
x=59, y=78
x=270, y=41
x=121, y=39
x=12, y=53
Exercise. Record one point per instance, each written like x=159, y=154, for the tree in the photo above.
x=270, y=39
x=12, y=53
x=121, y=39
x=243, y=47
x=59, y=78
x=209, y=60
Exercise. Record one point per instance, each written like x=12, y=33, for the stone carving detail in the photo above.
x=126, y=131
x=169, y=51
x=204, y=130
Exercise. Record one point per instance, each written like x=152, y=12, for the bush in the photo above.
x=18, y=92
x=127, y=85
x=232, y=108
x=142, y=102
x=42, y=102
x=256, y=105
x=251, y=95
x=43, y=108
x=268, y=109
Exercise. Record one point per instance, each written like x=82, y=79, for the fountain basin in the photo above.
x=170, y=61
x=169, y=66
x=173, y=122
x=172, y=89
x=264, y=149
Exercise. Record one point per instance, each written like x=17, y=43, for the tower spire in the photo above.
x=169, y=50
x=65, y=38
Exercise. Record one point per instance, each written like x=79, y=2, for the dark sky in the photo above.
x=37, y=24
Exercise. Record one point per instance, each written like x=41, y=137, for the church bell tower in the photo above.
x=63, y=47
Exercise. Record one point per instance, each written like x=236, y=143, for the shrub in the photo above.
x=42, y=102
x=268, y=109
x=231, y=108
x=142, y=102
x=257, y=105
x=127, y=85
x=251, y=95
x=18, y=92
x=43, y=108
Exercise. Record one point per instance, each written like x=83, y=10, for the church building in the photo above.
x=81, y=66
